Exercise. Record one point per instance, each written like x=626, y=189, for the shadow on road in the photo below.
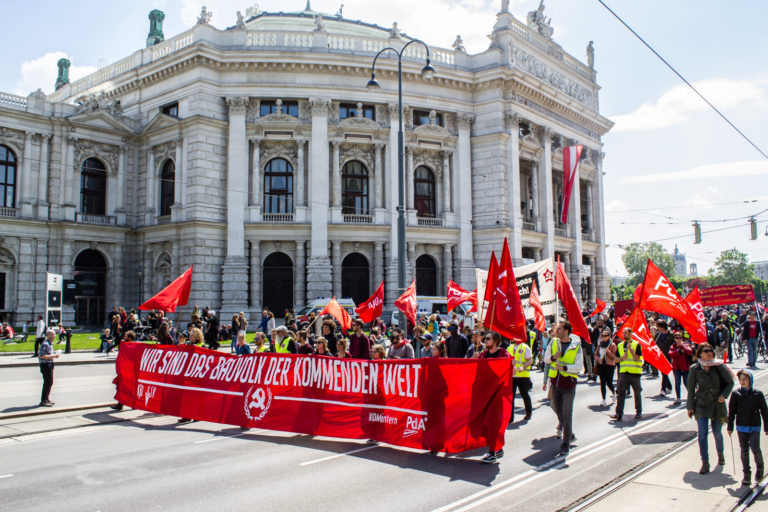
x=665, y=437
x=715, y=479
x=20, y=409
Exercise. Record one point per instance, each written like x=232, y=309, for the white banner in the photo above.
x=541, y=273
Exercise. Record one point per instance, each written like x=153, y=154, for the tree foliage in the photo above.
x=636, y=256
x=732, y=267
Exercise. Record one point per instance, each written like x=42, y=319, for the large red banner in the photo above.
x=448, y=405
x=725, y=295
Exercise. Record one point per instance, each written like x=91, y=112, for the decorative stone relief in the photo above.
x=458, y=45
x=540, y=23
x=319, y=104
x=530, y=64
x=361, y=152
x=205, y=16
x=165, y=150
x=237, y=104
x=278, y=149
x=15, y=137
x=94, y=103
x=465, y=120
x=107, y=152
x=432, y=159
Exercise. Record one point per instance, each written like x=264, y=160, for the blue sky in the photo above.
x=668, y=155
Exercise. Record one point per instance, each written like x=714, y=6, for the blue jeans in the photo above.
x=751, y=351
x=680, y=376
x=717, y=427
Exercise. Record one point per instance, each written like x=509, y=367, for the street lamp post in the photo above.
x=427, y=72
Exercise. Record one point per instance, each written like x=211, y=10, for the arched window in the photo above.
x=277, y=283
x=91, y=276
x=278, y=187
x=7, y=178
x=355, y=278
x=354, y=189
x=426, y=275
x=93, y=187
x=424, y=192
x=167, y=187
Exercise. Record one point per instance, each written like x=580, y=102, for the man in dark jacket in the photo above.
x=664, y=340
x=212, y=331
x=456, y=344
x=746, y=406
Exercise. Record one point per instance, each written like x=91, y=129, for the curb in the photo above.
x=43, y=411
x=60, y=363
x=78, y=351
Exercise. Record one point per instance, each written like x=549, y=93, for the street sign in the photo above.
x=53, y=302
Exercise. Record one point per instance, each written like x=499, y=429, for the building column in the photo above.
x=512, y=121
x=535, y=196
x=256, y=273
x=319, y=266
x=409, y=171
x=121, y=193
x=68, y=179
x=150, y=188
x=574, y=220
x=465, y=266
x=42, y=190
x=378, y=176
x=27, y=180
x=234, y=271
x=301, y=275
x=391, y=291
x=447, y=182
x=300, y=174
x=336, y=264
x=601, y=275
x=589, y=225
x=336, y=176
x=378, y=264
x=411, y=270
x=256, y=172
x=447, y=264
x=545, y=197
x=178, y=187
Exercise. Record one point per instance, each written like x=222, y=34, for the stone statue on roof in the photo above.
x=250, y=12
x=539, y=22
x=319, y=23
x=591, y=55
x=240, y=20
x=205, y=16
x=394, y=32
x=339, y=13
x=458, y=44
x=504, y=6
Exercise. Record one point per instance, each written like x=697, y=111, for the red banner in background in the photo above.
x=726, y=295
x=449, y=405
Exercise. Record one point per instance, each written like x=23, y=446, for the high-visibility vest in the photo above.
x=531, y=338
x=630, y=365
x=264, y=347
x=518, y=352
x=568, y=359
x=282, y=347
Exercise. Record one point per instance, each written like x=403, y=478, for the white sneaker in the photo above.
x=602, y=404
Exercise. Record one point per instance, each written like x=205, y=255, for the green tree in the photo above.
x=636, y=258
x=732, y=267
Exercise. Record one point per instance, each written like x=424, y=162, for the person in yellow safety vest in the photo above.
x=521, y=380
x=283, y=342
x=262, y=344
x=565, y=362
x=630, y=370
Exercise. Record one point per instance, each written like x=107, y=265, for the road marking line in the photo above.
x=347, y=404
x=220, y=438
x=191, y=388
x=6, y=476
x=538, y=471
x=331, y=457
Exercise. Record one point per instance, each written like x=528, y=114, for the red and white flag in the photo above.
x=339, y=313
x=408, y=304
x=640, y=333
x=490, y=286
x=658, y=294
x=506, y=308
x=571, y=156
x=538, y=312
x=599, y=308
x=458, y=296
x=571, y=303
x=693, y=300
x=371, y=309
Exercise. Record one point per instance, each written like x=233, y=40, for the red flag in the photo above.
x=636, y=293
x=490, y=286
x=571, y=155
x=473, y=298
x=175, y=294
x=407, y=303
x=458, y=296
x=538, y=312
x=371, y=308
x=571, y=303
x=599, y=308
x=660, y=296
x=339, y=313
x=640, y=333
x=507, y=315
x=693, y=300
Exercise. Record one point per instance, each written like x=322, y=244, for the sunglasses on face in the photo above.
x=707, y=351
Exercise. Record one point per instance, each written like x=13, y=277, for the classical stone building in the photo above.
x=257, y=154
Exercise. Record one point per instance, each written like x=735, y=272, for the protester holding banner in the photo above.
x=493, y=350
x=456, y=344
x=565, y=360
x=359, y=343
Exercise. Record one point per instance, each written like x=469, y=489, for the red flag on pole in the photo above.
x=339, y=313
x=175, y=294
x=658, y=294
x=407, y=303
x=458, y=296
x=693, y=300
x=571, y=156
x=599, y=308
x=538, y=312
x=570, y=303
x=640, y=333
x=490, y=286
x=473, y=298
x=371, y=308
x=507, y=315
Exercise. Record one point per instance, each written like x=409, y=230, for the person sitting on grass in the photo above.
x=106, y=340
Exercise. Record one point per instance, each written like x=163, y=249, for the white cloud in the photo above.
x=616, y=205
x=42, y=72
x=720, y=170
x=677, y=105
x=703, y=199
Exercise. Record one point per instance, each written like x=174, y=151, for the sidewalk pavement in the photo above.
x=675, y=484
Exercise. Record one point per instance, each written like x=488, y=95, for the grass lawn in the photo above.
x=79, y=341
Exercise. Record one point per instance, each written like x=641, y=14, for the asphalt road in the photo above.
x=149, y=463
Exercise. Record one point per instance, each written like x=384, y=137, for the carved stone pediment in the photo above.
x=106, y=152
x=161, y=121
x=433, y=130
x=362, y=152
x=165, y=150
x=278, y=120
x=278, y=149
x=359, y=122
x=431, y=158
x=15, y=138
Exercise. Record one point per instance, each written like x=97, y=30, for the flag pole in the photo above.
x=557, y=302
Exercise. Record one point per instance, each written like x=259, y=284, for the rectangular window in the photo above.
x=171, y=109
x=422, y=117
x=2, y=290
x=267, y=107
x=347, y=110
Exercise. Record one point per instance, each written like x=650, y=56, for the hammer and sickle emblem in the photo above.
x=257, y=399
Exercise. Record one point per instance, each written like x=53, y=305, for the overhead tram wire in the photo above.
x=662, y=59
x=686, y=235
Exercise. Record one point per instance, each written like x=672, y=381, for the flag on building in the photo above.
x=571, y=156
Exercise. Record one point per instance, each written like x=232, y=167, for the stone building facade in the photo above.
x=257, y=154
